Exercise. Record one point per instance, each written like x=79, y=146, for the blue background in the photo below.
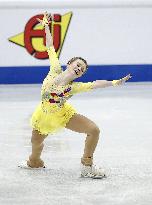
x=36, y=74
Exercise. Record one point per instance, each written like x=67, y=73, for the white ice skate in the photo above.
x=24, y=165
x=92, y=172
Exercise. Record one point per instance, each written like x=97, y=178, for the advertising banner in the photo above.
x=114, y=41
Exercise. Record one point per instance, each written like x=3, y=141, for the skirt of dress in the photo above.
x=50, y=123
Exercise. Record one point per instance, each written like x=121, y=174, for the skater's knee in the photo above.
x=37, y=139
x=37, y=142
x=94, y=130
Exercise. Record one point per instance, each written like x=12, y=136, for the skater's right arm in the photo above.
x=54, y=61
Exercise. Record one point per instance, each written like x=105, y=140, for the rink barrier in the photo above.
x=36, y=74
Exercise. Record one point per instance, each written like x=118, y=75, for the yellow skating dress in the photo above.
x=53, y=112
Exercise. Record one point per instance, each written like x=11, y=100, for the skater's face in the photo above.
x=77, y=68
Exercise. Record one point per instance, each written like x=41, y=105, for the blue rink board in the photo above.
x=36, y=74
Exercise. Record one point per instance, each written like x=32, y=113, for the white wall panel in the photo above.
x=105, y=35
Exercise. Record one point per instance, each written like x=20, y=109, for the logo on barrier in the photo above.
x=33, y=37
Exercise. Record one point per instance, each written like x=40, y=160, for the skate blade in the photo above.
x=94, y=177
x=99, y=177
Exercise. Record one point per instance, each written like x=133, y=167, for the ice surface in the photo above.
x=124, y=115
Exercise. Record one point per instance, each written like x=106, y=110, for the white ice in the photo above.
x=124, y=115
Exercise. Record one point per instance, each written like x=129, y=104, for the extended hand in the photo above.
x=46, y=19
x=122, y=80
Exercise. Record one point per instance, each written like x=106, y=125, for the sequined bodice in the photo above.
x=56, y=94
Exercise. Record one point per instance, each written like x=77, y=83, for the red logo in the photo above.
x=33, y=38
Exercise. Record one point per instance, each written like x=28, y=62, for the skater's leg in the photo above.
x=81, y=124
x=37, y=147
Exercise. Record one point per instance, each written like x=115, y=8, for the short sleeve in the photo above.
x=78, y=87
x=54, y=61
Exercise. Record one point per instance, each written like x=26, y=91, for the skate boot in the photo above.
x=92, y=172
x=24, y=165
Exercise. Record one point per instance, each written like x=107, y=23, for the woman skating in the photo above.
x=54, y=113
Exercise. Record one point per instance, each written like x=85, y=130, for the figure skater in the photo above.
x=54, y=113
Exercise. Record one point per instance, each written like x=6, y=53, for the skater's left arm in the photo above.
x=106, y=83
x=78, y=87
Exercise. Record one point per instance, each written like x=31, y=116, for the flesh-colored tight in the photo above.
x=77, y=123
